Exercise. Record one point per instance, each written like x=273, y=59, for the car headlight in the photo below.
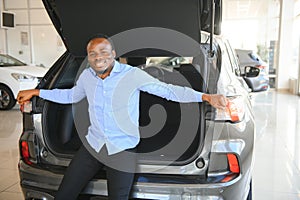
x=23, y=77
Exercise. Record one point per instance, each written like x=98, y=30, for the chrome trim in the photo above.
x=140, y=189
x=215, y=174
x=38, y=130
x=225, y=146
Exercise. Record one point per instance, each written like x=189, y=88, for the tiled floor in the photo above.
x=10, y=130
x=276, y=174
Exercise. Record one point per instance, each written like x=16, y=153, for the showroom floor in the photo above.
x=276, y=173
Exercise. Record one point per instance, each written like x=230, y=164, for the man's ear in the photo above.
x=114, y=53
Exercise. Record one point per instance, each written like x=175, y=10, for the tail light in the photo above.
x=25, y=152
x=224, y=167
x=261, y=66
x=234, y=111
x=28, y=146
x=26, y=107
x=234, y=168
x=233, y=163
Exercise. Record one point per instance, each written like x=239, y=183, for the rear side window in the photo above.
x=68, y=74
x=226, y=75
x=233, y=59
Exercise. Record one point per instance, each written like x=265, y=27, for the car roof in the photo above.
x=78, y=20
x=249, y=56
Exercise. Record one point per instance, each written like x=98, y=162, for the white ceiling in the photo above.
x=239, y=9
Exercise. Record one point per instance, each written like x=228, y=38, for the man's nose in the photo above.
x=98, y=57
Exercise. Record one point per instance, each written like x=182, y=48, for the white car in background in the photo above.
x=15, y=76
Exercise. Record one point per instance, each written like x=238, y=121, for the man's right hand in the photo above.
x=26, y=95
x=218, y=101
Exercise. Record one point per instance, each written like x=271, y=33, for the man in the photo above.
x=112, y=90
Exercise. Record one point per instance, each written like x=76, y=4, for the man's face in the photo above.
x=100, y=54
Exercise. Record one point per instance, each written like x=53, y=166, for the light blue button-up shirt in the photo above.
x=114, y=103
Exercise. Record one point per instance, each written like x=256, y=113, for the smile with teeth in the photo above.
x=100, y=63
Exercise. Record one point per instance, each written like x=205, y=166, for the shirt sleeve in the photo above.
x=65, y=96
x=171, y=92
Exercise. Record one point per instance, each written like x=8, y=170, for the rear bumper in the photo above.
x=42, y=184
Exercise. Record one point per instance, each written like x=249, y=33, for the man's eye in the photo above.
x=104, y=53
x=101, y=54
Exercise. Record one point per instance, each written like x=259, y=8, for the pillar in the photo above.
x=285, y=53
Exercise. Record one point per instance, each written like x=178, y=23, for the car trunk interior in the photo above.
x=178, y=136
x=181, y=135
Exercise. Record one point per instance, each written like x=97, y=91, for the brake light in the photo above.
x=233, y=163
x=25, y=152
x=234, y=168
x=224, y=167
x=234, y=111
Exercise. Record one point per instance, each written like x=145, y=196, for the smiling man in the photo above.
x=108, y=81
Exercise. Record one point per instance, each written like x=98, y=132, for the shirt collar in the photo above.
x=117, y=67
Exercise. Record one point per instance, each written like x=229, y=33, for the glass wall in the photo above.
x=296, y=39
x=254, y=25
x=272, y=29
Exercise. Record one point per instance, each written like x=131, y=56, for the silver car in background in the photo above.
x=254, y=70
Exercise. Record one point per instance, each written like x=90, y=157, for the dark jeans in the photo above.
x=83, y=168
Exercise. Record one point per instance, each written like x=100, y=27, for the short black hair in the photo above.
x=100, y=35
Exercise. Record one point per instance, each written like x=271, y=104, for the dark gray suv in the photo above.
x=187, y=151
